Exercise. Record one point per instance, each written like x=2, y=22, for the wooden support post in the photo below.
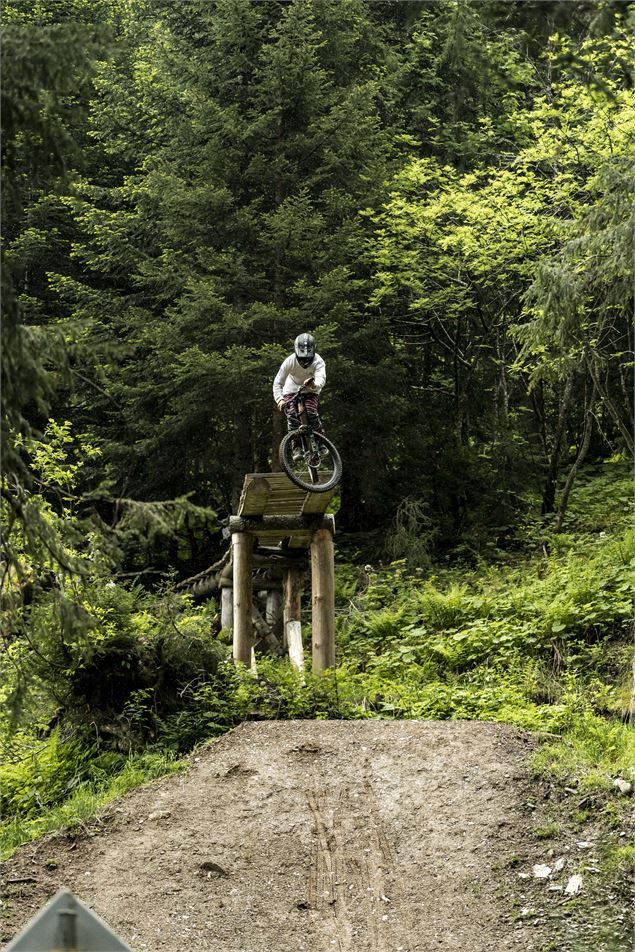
x=292, y=622
x=323, y=599
x=227, y=608
x=242, y=545
x=273, y=613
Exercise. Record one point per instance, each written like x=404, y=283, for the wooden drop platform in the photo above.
x=273, y=494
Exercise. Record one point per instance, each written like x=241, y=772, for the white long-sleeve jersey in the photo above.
x=292, y=375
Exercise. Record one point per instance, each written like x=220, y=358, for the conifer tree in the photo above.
x=238, y=226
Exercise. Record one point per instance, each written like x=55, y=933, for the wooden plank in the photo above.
x=274, y=479
x=299, y=541
x=291, y=501
x=253, y=498
x=318, y=502
x=283, y=510
x=281, y=492
x=296, y=540
x=275, y=494
x=286, y=496
x=274, y=501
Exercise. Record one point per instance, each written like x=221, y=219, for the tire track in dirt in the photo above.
x=351, y=861
x=326, y=891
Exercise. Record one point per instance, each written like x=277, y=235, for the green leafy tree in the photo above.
x=462, y=264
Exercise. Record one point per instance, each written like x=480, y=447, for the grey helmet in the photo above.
x=304, y=348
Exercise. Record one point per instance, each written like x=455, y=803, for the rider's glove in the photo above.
x=281, y=405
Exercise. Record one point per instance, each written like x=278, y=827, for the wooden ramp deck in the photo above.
x=270, y=495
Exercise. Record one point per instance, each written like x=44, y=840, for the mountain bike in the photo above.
x=317, y=466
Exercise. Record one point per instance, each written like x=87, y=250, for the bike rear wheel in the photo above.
x=318, y=469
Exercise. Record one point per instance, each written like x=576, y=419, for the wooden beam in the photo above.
x=292, y=619
x=275, y=560
x=272, y=559
x=242, y=545
x=227, y=572
x=281, y=523
x=297, y=541
x=323, y=600
x=269, y=584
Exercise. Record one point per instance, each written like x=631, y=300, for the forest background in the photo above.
x=442, y=193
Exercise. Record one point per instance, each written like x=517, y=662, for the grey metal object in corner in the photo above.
x=65, y=924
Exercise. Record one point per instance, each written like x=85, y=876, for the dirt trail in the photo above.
x=363, y=836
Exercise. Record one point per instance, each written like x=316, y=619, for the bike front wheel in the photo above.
x=318, y=466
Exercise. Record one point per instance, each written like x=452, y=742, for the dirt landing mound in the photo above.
x=366, y=836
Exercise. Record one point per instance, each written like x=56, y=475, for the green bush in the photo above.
x=82, y=802
x=45, y=776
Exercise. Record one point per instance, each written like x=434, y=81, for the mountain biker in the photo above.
x=304, y=368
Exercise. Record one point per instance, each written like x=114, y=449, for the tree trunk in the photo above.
x=626, y=394
x=582, y=451
x=549, y=492
x=627, y=434
x=537, y=397
x=502, y=390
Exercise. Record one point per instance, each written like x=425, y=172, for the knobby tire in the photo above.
x=286, y=461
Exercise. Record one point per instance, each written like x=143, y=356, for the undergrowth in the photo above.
x=540, y=639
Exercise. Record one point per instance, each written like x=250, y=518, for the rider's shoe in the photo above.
x=297, y=454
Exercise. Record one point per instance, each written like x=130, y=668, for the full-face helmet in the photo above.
x=304, y=349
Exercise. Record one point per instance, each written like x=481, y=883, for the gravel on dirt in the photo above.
x=353, y=836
